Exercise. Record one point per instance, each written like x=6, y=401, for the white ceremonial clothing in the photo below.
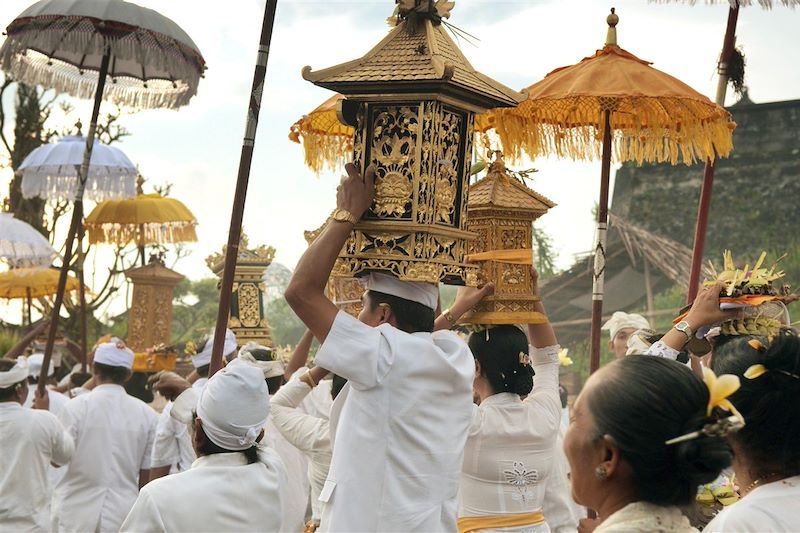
x=643, y=517
x=309, y=434
x=560, y=510
x=769, y=507
x=113, y=435
x=57, y=400
x=296, y=490
x=172, y=444
x=221, y=492
x=400, y=426
x=510, y=449
x=30, y=440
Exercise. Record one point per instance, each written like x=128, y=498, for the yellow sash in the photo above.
x=522, y=256
x=474, y=523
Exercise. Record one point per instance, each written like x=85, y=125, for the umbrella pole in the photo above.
x=28, y=294
x=234, y=234
x=600, y=246
x=708, y=174
x=77, y=215
x=82, y=296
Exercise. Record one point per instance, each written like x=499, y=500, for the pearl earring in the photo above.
x=601, y=473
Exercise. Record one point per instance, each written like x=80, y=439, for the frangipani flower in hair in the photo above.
x=719, y=389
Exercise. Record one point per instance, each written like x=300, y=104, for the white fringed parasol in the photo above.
x=21, y=245
x=51, y=171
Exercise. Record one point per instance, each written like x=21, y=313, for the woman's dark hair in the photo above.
x=645, y=401
x=209, y=448
x=498, y=351
x=336, y=387
x=7, y=392
x=769, y=403
x=138, y=387
x=261, y=354
x=77, y=379
x=202, y=371
x=412, y=317
x=114, y=374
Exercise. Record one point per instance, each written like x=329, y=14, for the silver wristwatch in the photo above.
x=684, y=328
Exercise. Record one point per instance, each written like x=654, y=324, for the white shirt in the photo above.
x=221, y=492
x=30, y=440
x=172, y=445
x=509, y=451
x=297, y=489
x=644, y=517
x=398, y=428
x=57, y=400
x=113, y=435
x=560, y=510
x=770, y=507
x=309, y=434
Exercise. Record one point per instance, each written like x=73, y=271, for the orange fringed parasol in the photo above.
x=146, y=219
x=327, y=142
x=613, y=98
x=33, y=282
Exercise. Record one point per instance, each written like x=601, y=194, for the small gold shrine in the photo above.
x=501, y=211
x=248, y=318
x=412, y=100
x=346, y=293
x=150, y=315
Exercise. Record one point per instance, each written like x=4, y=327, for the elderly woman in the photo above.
x=618, y=445
x=509, y=454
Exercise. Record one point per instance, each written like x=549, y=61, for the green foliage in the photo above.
x=546, y=254
x=8, y=339
x=284, y=326
x=195, y=309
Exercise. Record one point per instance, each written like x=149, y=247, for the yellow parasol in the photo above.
x=327, y=142
x=614, y=96
x=34, y=282
x=145, y=219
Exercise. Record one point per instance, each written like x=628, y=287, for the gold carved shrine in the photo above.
x=344, y=292
x=412, y=101
x=150, y=315
x=501, y=212
x=248, y=317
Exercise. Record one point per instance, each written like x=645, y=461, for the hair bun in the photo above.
x=522, y=383
x=700, y=460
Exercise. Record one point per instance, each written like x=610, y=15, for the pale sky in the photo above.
x=197, y=147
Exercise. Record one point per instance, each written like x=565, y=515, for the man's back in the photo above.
x=399, y=440
x=113, y=435
x=221, y=492
x=29, y=439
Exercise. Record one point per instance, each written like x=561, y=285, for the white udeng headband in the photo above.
x=17, y=374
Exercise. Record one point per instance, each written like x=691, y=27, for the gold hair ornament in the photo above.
x=720, y=428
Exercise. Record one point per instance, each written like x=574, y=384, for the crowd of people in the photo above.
x=402, y=425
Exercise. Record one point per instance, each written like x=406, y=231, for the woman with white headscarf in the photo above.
x=234, y=485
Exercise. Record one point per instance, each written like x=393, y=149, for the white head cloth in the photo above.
x=114, y=354
x=203, y=358
x=271, y=369
x=620, y=320
x=234, y=406
x=423, y=293
x=17, y=374
x=35, y=365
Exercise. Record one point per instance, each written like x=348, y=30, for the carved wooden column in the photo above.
x=248, y=318
x=150, y=316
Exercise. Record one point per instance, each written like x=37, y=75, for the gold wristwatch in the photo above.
x=343, y=215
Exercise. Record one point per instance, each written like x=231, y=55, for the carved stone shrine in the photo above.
x=150, y=315
x=248, y=317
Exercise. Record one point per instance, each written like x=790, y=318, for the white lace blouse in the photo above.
x=509, y=451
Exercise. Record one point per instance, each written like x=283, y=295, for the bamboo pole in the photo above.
x=600, y=245
x=245, y=160
x=704, y=206
x=77, y=216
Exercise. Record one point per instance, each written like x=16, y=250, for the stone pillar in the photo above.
x=150, y=315
x=248, y=318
